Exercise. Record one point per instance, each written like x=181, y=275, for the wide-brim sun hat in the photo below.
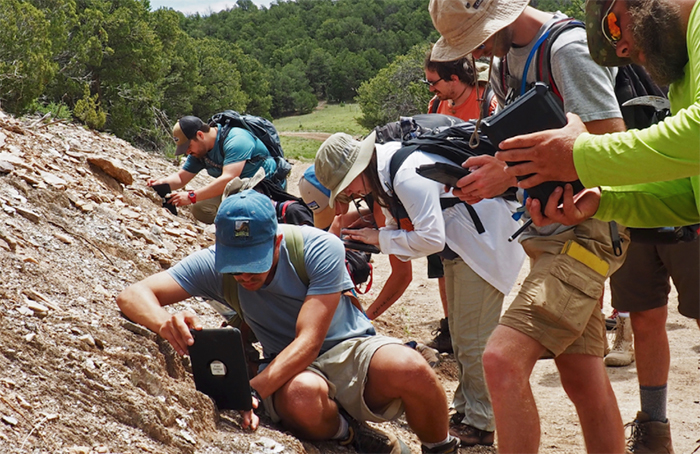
x=465, y=25
x=340, y=160
x=599, y=47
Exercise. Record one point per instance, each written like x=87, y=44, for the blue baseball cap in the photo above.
x=246, y=228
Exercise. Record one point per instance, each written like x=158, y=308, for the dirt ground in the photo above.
x=78, y=225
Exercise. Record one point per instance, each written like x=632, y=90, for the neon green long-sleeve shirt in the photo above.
x=651, y=177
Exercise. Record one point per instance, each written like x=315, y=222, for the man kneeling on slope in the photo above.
x=329, y=371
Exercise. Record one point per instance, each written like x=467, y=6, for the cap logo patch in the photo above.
x=242, y=228
x=313, y=205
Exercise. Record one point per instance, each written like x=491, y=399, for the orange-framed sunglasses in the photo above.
x=611, y=26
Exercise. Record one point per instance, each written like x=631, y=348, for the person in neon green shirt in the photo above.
x=648, y=178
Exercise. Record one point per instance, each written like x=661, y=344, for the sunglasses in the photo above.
x=431, y=83
x=610, y=26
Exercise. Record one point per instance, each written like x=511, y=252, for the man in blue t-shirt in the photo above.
x=241, y=155
x=326, y=371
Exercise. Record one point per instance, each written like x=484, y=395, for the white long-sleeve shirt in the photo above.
x=489, y=254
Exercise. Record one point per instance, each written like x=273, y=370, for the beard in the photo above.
x=502, y=42
x=658, y=36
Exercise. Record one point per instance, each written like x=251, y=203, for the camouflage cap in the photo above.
x=600, y=48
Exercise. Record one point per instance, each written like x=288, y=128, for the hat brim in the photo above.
x=467, y=39
x=250, y=259
x=182, y=148
x=360, y=164
x=600, y=49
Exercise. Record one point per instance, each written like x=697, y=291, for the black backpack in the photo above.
x=449, y=142
x=261, y=128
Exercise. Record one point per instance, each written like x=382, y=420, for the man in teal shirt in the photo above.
x=652, y=175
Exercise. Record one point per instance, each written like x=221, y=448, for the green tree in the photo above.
x=26, y=64
x=395, y=91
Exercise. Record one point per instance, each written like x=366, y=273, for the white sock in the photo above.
x=439, y=443
x=343, y=430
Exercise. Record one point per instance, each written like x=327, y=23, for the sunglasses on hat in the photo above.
x=611, y=26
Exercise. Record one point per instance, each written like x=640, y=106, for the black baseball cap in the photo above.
x=185, y=130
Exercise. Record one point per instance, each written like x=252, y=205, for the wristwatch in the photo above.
x=193, y=197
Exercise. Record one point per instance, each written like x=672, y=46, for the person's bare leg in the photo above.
x=305, y=409
x=651, y=346
x=398, y=372
x=508, y=362
x=443, y=294
x=586, y=383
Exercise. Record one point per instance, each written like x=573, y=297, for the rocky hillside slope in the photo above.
x=77, y=225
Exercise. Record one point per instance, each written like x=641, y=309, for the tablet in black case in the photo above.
x=219, y=367
x=536, y=110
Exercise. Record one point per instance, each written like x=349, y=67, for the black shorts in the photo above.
x=435, y=268
x=642, y=283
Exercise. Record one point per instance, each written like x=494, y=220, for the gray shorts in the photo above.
x=344, y=367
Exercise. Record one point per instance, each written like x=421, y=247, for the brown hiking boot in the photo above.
x=649, y=437
x=367, y=440
x=442, y=341
x=451, y=447
x=469, y=435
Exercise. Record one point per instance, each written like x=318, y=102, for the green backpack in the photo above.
x=295, y=247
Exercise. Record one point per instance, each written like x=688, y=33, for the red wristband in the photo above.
x=193, y=197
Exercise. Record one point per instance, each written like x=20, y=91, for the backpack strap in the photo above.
x=488, y=99
x=295, y=247
x=400, y=212
x=434, y=107
x=544, y=57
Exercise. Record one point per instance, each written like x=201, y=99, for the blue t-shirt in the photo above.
x=272, y=311
x=240, y=145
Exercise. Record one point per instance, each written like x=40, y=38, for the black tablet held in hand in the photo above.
x=447, y=174
x=163, y=190
x=219, y=367
x=536, y=110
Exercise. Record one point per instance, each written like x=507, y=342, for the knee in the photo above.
x=501, y=368
x=402, y=368
x=303, y=401
x=653, y=320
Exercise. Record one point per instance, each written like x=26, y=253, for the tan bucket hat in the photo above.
x=600, y=48
x=340, y=160
x=465, y=25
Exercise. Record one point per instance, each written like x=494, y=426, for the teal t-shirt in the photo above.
x=240, y=145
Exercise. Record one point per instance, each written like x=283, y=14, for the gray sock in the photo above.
x=654, y=401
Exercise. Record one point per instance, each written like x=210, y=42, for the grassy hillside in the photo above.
x=297, y=132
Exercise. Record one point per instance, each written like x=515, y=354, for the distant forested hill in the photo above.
x=116, y=65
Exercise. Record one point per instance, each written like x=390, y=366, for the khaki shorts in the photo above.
x=558, y=303
x=344, y=367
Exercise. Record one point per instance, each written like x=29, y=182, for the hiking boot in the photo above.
x=611, y=322
x=649, y=437
x=442, y=342
x=368, y=440
x=451, y=447
x=622, y=352
x=469, y=435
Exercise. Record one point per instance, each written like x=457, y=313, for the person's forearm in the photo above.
x=291, y=361
x=213, y=189
x=395, y=286
x=141, y=306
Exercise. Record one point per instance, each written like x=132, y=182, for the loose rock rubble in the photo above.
x=77, y=225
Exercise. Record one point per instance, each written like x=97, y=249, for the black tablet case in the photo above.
x=219, y=367
x=536, y=110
